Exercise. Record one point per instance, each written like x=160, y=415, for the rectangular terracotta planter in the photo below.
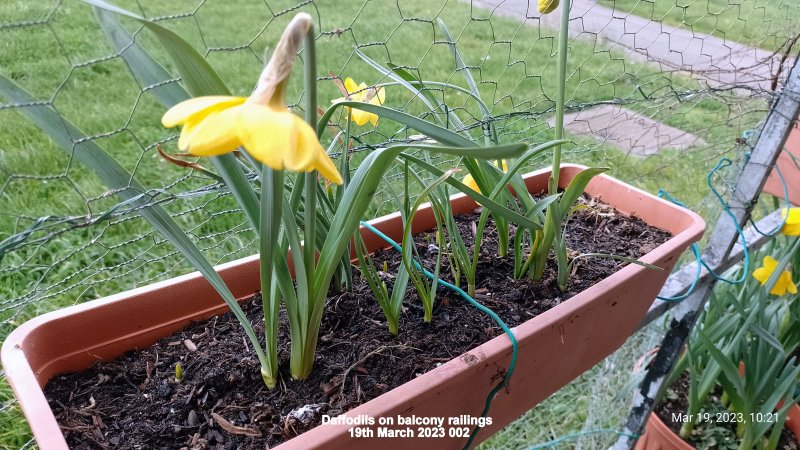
x=554, y=347
x=788, y=161
x=658, y=436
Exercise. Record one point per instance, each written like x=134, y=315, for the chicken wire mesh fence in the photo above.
x=658, y=91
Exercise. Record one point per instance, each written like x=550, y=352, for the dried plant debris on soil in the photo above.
x=711, y=434
x=135, y=401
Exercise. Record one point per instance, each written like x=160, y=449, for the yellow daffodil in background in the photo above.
x=784, y=283
x=792, y=225
x=364, y=94
x=547, y=6
x=470, y=181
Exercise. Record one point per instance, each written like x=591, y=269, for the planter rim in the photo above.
x=25, y=383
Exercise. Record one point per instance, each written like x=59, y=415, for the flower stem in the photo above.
x=563, y=38
x=302, y=353
x=271, y=207
x=310, y=78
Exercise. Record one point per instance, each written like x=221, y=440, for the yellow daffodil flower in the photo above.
x=362, y=93
x=470, y=181
x=792, y=225
x=547, y=6
x=261, y=123
x=784, y=283
x=281, y=140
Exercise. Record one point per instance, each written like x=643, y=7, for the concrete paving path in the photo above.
x=629, y=131
x=721, y=63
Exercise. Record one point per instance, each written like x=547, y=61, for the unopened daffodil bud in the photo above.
x=547, y=6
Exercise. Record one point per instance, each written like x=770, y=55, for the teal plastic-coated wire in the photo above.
x=695, y=250
x=474, y=303
x=567, y=437
x=725, y=162
x=788, y=205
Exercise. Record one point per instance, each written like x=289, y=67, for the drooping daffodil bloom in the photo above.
x=261, y=124
x=364, y=94
x=784, y=283
x=547, y=6
x=470, y=181
x=792, y=225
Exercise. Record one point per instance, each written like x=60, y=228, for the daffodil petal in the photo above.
x=770, y=263
x=186, y=110
x=307, y=141
x=350, y=85
x=373, y=118
x=359, y=117
x=778, y=290
x=470, y=181
x=785, y=283
x=381, y=96
x=792, y=225
x=268, y=135
x=782, y=284
x=186, y=133
x=306, y=149
x=216, y=134
x=791, y=287
x=762, y=275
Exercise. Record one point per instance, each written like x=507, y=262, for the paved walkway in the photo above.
x=628, y=130
x=719, y=62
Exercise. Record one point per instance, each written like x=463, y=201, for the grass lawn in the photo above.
x=766, y=24
x=65, y=61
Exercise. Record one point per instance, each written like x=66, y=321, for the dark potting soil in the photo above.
x=135, y=402
x=717, y=434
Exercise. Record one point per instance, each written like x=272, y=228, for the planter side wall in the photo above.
x=554, y=348
x=658, y=436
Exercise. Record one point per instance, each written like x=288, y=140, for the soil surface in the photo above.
x=712, y=434
x=222, y=403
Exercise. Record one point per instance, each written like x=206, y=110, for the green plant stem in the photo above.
x=563, y=39
x=344, y=169
x=310, y=219
x=302, y=358
x=271, y=207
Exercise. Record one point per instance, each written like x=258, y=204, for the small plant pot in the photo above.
x=788, y=162
x=554, y=347
x=658, y=436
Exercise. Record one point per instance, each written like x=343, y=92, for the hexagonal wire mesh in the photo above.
x=657, y=90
